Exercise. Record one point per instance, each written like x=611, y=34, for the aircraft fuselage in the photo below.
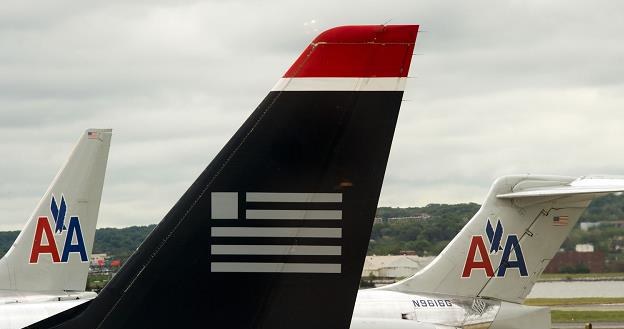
x=376, y=308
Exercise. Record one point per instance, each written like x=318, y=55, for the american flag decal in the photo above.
x=276, y=232
x=92, y=135
x=560, y=220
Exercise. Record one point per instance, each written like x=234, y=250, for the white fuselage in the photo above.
x=21, y=308
x=420, y=311
x=382, y=309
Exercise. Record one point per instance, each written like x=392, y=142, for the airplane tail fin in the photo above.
x=274, y=232
x=52, y=252
x=504, y=248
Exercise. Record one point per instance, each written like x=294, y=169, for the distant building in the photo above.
x=572, y=261
x=617, y=223
x=416, y=218
x=585, y=226
x=587, y=247
x=98, y=259
x=394, y=267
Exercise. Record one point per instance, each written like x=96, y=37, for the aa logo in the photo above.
x=512, y=253
x=44, y=241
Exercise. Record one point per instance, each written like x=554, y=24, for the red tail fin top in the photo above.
x=365, y=51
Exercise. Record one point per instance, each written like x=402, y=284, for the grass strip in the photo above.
x=573, y=301
x=587, y=316
x=580, y=276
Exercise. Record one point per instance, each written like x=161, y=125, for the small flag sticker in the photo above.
x=92, y=135
x=560, y=221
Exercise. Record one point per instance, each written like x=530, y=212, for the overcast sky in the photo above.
x=499, y=87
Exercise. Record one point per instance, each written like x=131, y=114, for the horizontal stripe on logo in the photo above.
x=275, y=250
x=293, y=214
x=293, y=197
x=340, y=84
x=275, y=267
x=278, y=232
x=294, y=205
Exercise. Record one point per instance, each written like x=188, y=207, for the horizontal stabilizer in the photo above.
x=582, y=185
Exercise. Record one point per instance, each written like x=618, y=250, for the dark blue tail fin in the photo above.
x=274, y=232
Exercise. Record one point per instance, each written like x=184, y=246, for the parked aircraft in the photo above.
x=45, y=270
x=274, y=232
x=484, y=274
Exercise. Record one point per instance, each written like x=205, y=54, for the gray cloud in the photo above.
x=499, y=87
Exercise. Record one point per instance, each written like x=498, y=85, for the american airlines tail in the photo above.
x=52, y=252
x=274, y=232
x=504, y=248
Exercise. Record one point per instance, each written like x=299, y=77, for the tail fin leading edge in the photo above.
x=274, y=232
x=504, y=248
x=52, y=252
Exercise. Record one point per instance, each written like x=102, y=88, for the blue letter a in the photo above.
x=512, y=244
x=74, y=229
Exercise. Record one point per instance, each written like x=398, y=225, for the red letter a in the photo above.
x=43, y=226
x=472, y=263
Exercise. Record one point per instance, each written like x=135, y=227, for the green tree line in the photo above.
x=396, y=234
x=425, y=230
